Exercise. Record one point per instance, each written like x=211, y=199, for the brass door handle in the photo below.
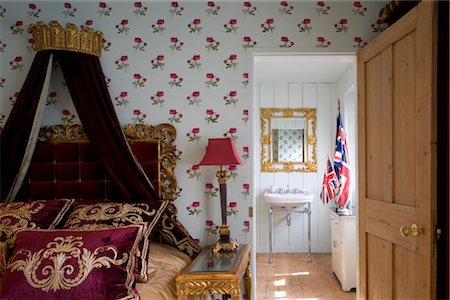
x=414, y=230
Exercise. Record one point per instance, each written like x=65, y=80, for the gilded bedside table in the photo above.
x=216, y=273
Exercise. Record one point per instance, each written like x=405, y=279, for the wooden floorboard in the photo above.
x=290, y=276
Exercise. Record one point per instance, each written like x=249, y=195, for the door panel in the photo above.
x=397, y=158
x=404, y=139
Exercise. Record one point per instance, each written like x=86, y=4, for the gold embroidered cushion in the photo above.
x=44, y=214
x=110, y=215
x=73, y=264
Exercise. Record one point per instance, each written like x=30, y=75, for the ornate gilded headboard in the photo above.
x=65, y=165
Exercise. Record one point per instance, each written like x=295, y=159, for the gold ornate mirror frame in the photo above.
x=309, y=163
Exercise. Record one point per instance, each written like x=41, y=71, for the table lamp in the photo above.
x=221, y=152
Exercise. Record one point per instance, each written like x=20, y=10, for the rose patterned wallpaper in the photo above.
x=188, y=64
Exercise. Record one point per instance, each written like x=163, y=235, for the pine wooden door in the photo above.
x=397, y=159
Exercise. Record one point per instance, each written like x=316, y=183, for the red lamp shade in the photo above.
x=220, y=152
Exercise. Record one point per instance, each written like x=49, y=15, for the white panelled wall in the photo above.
x=324, y=97
x=321, y=96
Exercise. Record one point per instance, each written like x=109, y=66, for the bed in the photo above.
x=87, y=242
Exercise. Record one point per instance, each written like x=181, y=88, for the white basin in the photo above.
x=290, y=199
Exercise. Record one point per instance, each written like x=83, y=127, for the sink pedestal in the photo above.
x=288, y=204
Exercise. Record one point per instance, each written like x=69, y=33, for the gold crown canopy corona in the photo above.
x=54, y=37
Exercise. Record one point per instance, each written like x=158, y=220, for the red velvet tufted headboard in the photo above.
x=64, y=165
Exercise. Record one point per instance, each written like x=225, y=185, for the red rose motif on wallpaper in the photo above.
x=67, y=117
x=69, y=11
x=211, y=116
x=286, y=42
x=305, y=25
x=359, y=9
x=232, y=209
x=139, y=117
x=194, y=173
x=51, y=99
x=158, y=62
x=122, y=27
x=157, y=98
x=359, y=43
x=322, y=42
x=245, y=116
x=194, y=26
x=246, y=227
x=212, y=44
x=194, y=136
x=231, y=133
x=194, y=62
x=341, y=26
x=245, y=190
x=231, y=26
x=139, y=81
x=194, y=98
x=231, y=98
x=103, y=10
x=379, y=26
x=245, y=79
x=211, y=228
x=248, y=42
x=211, y=80
x=139, y=10
x=212, y=9
x=139, y=44
x=122, y=63
x=121, y=99
x=322, y=9
x=176, y=9
x=17, y=28
x=285, y=8
x=231, y=62
x=16, y=64
x=175, y=80
x=268, y=26
x=34, y=11
x=174, y=116
x=175, y=44
x=159, y=27
x=249, y=9
x=193, y=209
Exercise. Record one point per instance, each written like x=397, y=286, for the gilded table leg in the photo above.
x=248, y=281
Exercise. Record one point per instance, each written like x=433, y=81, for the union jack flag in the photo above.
x=342, y=165
x=330, y=183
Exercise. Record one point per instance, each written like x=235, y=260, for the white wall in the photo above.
x=321, y=96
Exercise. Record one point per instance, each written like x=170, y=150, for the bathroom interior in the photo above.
x=321, y=83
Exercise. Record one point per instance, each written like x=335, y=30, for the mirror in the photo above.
x=288, y=140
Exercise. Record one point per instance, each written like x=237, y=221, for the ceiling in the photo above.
x=301, y=68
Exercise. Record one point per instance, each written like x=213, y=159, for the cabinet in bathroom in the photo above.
x=343, y=249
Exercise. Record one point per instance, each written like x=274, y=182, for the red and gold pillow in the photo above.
x=111, y=215
x=73, y=264
x=43, y=214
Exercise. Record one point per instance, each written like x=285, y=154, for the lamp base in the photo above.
x=227, y=246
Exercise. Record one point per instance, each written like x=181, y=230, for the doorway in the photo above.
x=302, y=81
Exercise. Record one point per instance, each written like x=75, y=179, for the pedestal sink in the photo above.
x=287, y=202
x=288, y=199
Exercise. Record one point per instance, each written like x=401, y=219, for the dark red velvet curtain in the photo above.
x=14, y=136
x=86, y=83
x=87, y=87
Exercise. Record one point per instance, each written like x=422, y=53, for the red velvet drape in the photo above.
x=14, y=136
x=86, y=83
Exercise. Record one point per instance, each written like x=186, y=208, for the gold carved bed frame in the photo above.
x=163, y=134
